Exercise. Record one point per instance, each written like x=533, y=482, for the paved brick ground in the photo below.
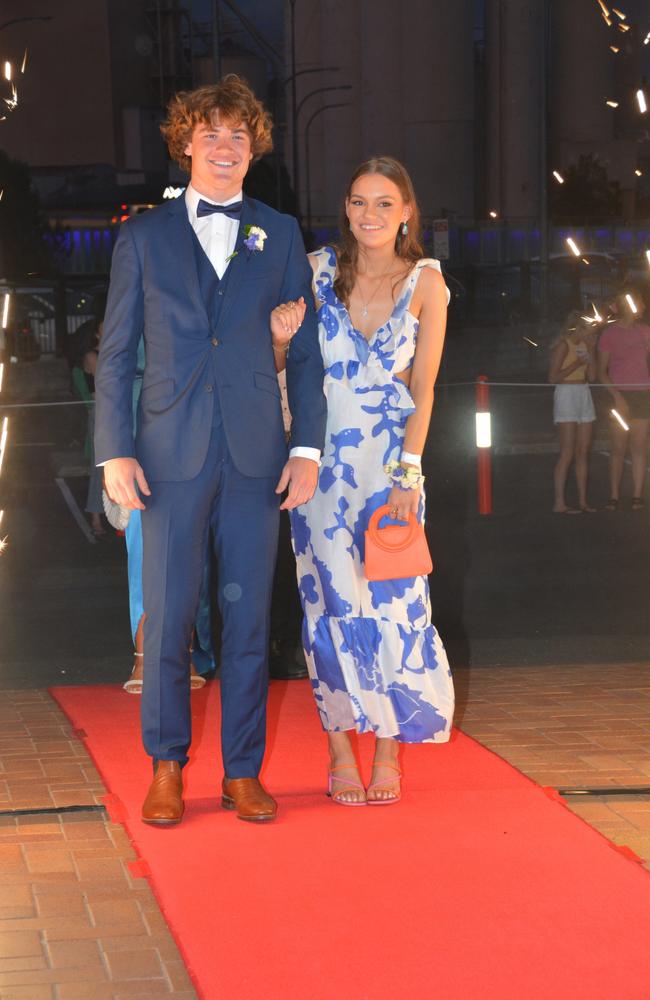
x=75, y=924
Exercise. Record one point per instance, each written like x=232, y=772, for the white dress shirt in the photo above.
x=217, y=234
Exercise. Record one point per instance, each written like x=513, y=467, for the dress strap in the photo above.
x=325, y=259
x=415, y=274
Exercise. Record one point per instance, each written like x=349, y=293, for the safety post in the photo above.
x=483, y=445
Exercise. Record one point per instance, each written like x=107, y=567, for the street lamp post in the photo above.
x=295, y=109
x=20, y=20
x=319, y=111
x=320, y=90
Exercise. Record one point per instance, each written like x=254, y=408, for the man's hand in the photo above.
x=120, y=478
x=301, y=476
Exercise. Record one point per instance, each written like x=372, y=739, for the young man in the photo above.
x=199, y=277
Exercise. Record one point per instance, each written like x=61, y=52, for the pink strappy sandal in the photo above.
x=336, y=796
x=385, y=785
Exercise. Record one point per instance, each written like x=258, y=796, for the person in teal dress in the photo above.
x=202, y=660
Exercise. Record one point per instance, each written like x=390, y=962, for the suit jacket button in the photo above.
x=215, y=342
x=221, y=291
x=208, y=388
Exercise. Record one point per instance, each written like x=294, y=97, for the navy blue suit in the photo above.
x=211, y=443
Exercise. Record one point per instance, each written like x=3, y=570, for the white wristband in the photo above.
x=411, y=459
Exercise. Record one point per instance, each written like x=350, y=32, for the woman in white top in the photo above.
x=572, y=368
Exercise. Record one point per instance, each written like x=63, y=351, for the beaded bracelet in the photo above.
x=406, y=479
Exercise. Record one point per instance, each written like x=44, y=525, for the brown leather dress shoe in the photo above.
x=249, y=799
x=163, y=805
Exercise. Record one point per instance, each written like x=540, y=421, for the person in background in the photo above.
x=572, y=367
x=81, y=353
x=623, y=366
x=202, y=655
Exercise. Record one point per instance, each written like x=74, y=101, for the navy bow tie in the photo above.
x=232, y=211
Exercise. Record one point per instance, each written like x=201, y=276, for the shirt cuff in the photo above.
x=312, y=453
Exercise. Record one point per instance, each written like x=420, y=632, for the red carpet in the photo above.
x=477, y=886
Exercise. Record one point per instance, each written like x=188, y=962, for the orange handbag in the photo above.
x=397, y=551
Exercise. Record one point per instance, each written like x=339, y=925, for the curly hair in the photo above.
x=408, y=247
x=233, y=99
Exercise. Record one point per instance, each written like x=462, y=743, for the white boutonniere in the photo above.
x=254, y=240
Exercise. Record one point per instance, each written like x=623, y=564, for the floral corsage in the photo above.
x=406, y=477
x=254, y=240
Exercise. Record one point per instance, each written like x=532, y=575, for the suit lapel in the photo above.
x=236, y=269
x=182, y=248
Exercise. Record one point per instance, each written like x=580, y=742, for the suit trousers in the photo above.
x=241, y=513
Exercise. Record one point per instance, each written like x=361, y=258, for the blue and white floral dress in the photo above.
x=375, y=661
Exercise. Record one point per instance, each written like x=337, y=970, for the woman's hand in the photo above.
x=403, y=502
x=286, y=320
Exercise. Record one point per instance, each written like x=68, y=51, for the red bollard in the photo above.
x=483, y=445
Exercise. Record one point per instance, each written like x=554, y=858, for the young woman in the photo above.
x=573, y=366
x=376, y=662
x=623, y=366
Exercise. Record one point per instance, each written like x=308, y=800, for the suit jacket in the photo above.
x=195, y=353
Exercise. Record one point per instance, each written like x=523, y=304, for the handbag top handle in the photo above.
x=406, y=533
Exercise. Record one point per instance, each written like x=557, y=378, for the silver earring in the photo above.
x=405, y=228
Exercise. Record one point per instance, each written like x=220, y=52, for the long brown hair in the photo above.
x=408, y=247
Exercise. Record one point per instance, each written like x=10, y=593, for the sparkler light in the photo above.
x=640, y=96
x=611, y=104
x=572, y=247
x=597, y=317
x=618, y=417
x=531, y=342
x=638, y=172
x=24, y=62
x=585, y=261
x=12, y=102
x=2, y=371
x=603, y=7
x=3, y=440
x=631, y=303
x=615, y=49
x=5, y=310
x=558, y=177
x=623, y=27
x=619, y=13
x=647, y=253
x=494, y=215
x=646, y=40
x=7, y=71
